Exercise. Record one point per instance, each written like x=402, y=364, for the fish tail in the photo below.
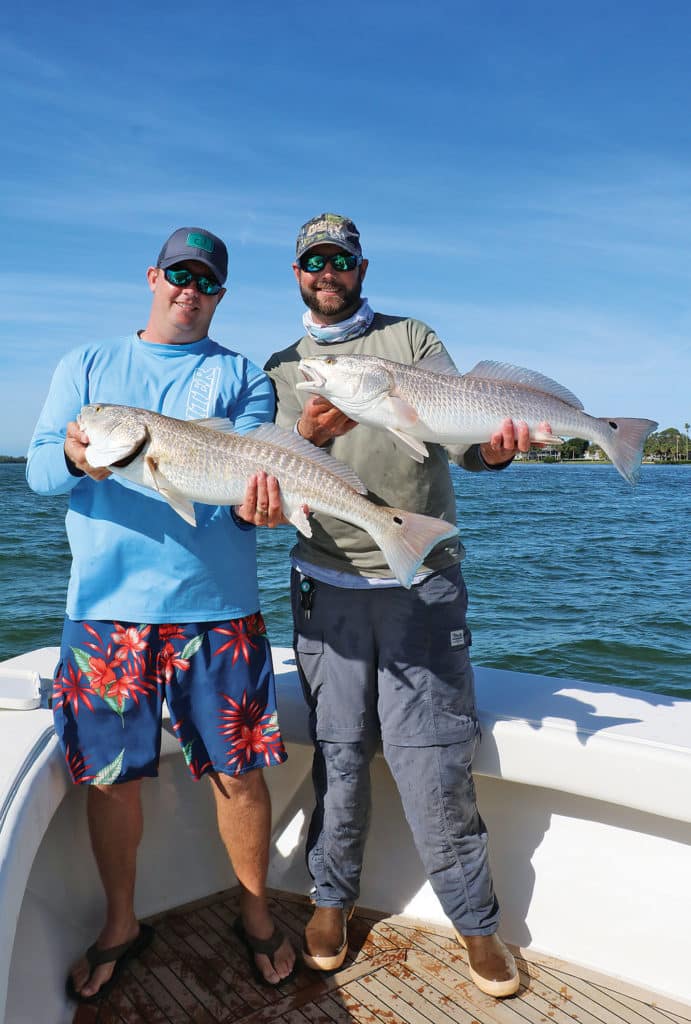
x=623, y=443
x=407, y=538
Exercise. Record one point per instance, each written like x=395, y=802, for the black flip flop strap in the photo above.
x=266, y=946
x=96, y=956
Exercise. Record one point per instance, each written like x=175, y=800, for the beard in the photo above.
x=340, y=303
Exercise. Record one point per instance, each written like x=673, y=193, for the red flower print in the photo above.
x=77, y=766
x=68, y=689
x=198, y=769
x=250, y=731
x=101, y=675
x=171, y=632
x=128, y=686
x=256, y=625
x=240, y=640
x=98, y=646
x=129, y=641
x=168, y=660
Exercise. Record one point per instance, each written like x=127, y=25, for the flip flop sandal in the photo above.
x=268, y=947
x=119, y=955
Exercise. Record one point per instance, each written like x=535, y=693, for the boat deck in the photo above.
x=398, y=971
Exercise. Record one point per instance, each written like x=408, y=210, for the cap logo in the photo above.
x=331, y=228
x=197, y=241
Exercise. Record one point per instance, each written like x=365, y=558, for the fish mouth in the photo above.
x=312, y=379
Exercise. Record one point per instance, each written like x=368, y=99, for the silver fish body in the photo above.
x=418, y=404
x=207, y=461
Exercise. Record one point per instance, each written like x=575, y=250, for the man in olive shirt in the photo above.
x=378, y=661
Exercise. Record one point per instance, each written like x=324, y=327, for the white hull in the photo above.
x=585, y=791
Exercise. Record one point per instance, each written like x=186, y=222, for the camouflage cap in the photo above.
x=195, y=244
x=329, y=228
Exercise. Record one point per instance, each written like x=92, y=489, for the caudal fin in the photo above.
x=624, y=444
x=407, y=538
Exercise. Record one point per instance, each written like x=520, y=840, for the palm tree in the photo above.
x=686, y=430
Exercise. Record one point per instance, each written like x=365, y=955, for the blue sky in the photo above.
x=520, y=173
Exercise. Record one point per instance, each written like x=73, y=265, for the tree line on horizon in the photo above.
x=668, y=445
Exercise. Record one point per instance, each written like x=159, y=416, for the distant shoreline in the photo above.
x=590, y=462
x=14, y=460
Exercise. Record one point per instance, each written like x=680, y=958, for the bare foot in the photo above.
x=87, y=980
x=283, y=963
x=258, y=923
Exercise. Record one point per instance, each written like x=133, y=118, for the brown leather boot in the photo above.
x=326, y=938
x=492, y=967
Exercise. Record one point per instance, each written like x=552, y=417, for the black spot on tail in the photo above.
x=613, y=425
x=398, y=521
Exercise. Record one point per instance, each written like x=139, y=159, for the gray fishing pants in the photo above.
x=393, y=665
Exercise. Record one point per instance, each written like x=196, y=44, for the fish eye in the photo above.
x=329, y=360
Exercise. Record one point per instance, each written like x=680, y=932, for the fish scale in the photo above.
x=443, y=402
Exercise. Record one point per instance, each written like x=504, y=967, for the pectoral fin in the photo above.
x=410, y=445
x=111, y=454
x=101, y=457
x=300, y=521
x=541, y=436
x=404, y=414
x=180, y=503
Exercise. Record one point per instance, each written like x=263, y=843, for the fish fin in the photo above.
x=180, y=503
x=542, y=437
x=300, y=521
x=439, y=362
x=408, y=540
x=624, y=445
x=487, y=369
x=410, y=445
x=102, y=455
x=217, y=423
x=405, y=414
x=271, y=434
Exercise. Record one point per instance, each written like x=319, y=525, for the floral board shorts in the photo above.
x=216, y=677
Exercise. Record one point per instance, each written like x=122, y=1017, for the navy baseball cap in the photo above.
x=332, y=228
x=195, y=244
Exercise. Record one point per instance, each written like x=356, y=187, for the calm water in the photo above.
x=571, y=572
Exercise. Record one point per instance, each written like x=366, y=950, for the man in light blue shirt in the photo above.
x=158, y=609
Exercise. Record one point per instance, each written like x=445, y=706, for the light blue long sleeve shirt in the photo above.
x=133, y=558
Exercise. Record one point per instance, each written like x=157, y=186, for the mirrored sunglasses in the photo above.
x=182, y=278
x=341, y=261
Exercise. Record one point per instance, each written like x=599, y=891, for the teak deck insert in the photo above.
x=398, y=971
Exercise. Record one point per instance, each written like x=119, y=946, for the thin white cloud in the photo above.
x=20, y=61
